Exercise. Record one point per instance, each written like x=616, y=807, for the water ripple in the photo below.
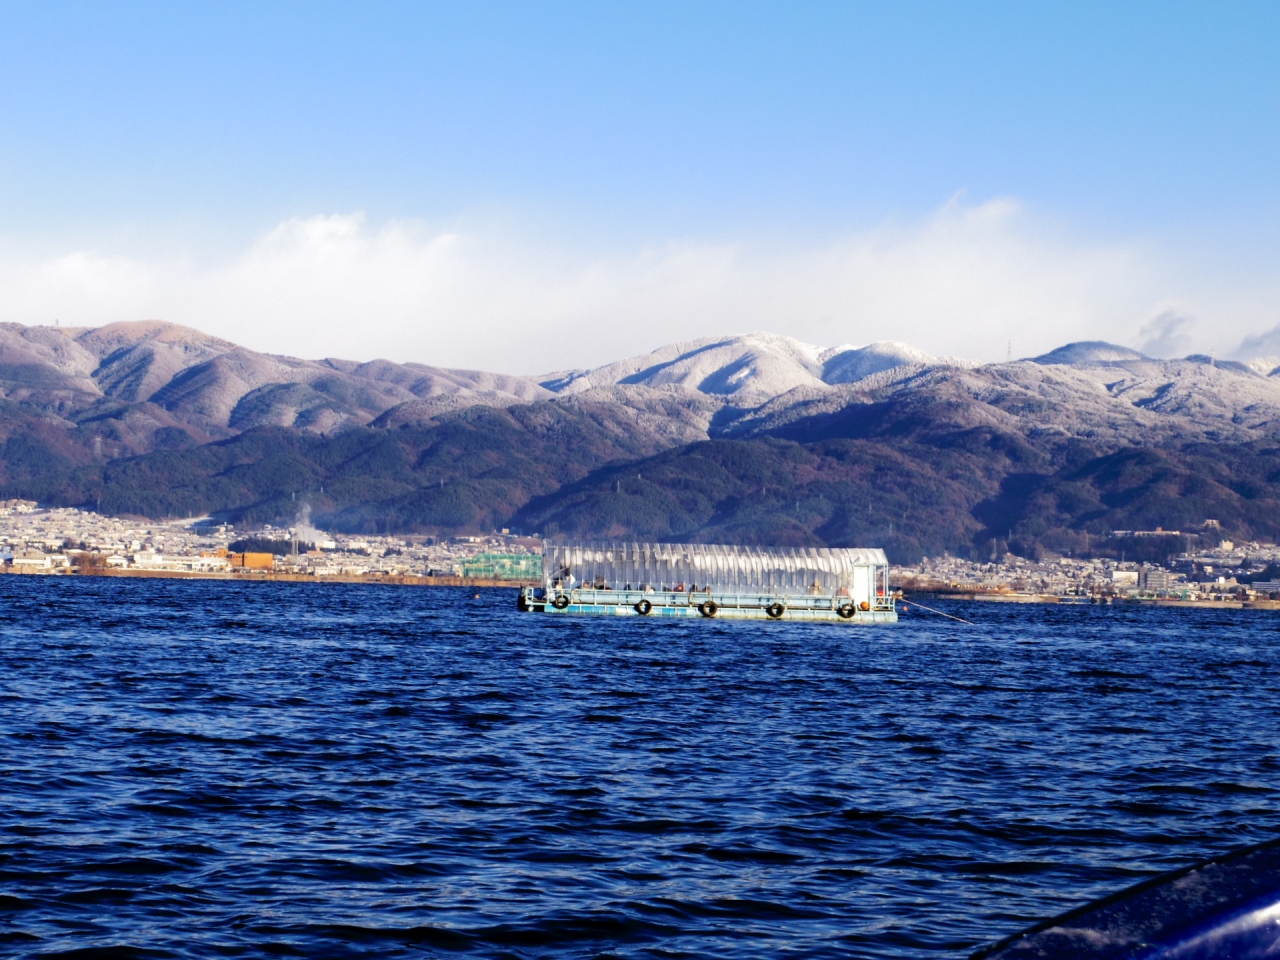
x=225, y=770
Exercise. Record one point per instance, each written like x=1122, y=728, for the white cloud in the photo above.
x=1259, y=345
x=965, y=281
x=1166, y=335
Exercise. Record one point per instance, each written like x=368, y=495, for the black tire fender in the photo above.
x=846, y=610
x=775, y=610
x=643, y=607
x=708, y=608
x=561, y=601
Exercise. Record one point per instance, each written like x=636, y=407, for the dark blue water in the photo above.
x=221, y=770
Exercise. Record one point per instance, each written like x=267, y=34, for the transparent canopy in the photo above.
x=715, y=567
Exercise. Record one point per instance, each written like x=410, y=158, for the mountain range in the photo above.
x=755, y=438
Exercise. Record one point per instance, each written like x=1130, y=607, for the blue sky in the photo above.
x=477, y=172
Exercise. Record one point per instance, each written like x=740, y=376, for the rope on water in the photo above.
x=938, y=612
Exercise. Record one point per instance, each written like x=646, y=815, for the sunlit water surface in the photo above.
x=203, y=769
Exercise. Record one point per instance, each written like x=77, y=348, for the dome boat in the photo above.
x=828, y=584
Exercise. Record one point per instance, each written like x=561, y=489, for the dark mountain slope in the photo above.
x=470, y=471
x=585, y=470
x=837, y=493
x=1141, y=489
x=33, y=448
x=915, y=499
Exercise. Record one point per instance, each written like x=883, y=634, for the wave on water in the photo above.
x=207, y=769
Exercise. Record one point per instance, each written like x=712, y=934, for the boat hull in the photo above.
x=702, y=606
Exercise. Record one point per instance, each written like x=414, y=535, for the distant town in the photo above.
x=67, y=540
x=1228, y=574
x=51, y=541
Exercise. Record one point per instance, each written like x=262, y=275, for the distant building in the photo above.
x=253, y=561
x=503, y=566
x=1159, y=580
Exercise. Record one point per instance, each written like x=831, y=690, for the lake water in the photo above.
x=204, y=769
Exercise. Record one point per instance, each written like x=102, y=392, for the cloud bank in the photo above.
x=1166, y=335
x=972, y=280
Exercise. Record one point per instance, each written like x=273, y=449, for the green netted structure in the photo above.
x=503, y=566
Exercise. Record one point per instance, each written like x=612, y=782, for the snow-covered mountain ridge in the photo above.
x=132, y=386
x=757, y=438
x=1093, y=390
x=751, y=367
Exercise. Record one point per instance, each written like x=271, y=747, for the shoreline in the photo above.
x=415, y=580
x=1071, y=601
x=261, y=576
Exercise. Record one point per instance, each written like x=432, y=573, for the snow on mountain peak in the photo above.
x=849, y=364
x=752, y=367
x=1089, y=351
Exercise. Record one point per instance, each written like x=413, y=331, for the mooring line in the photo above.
x=938, y=612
